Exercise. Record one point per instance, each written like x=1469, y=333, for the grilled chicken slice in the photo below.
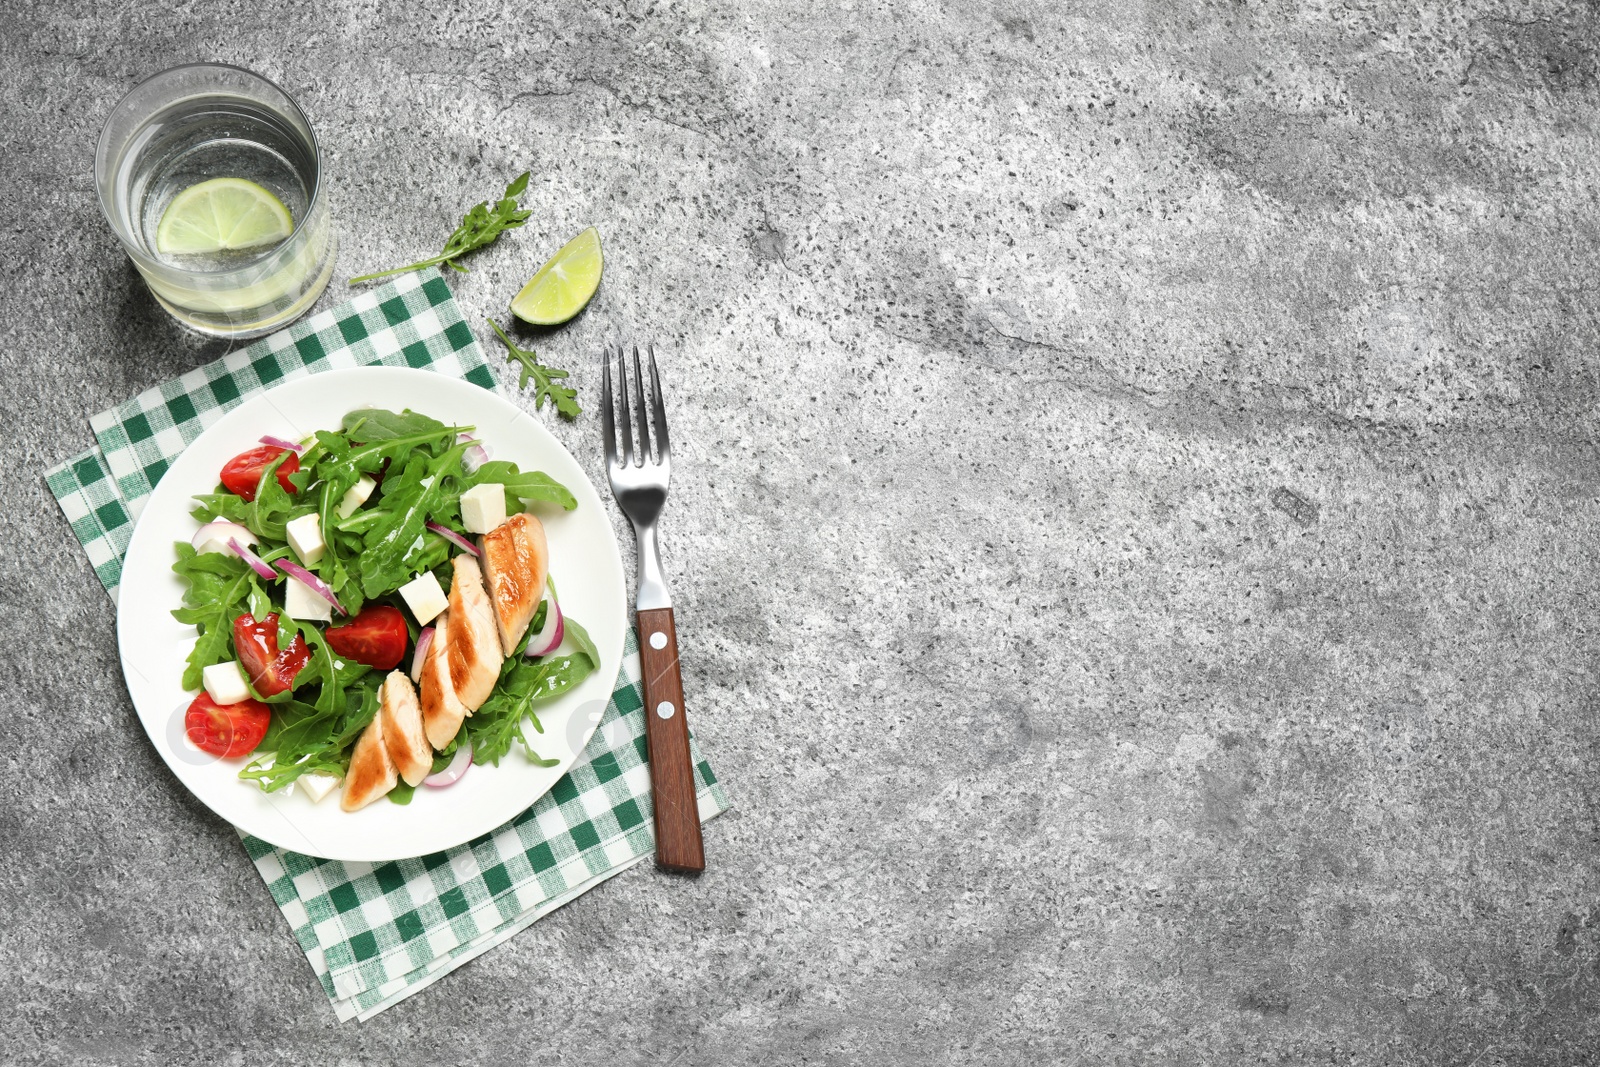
x=474, y=645
x=516, y=562
x=372, y=772
x=402, y=729
x=442, y=712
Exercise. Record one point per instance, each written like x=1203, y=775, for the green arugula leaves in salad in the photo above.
x=380, y=545
x=217, y=590
x=426, y=488
x=273, y=507
x=531, y=486
x=306, y=739
x=524, y=685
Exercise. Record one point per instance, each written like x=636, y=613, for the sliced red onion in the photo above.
x=474, y=457
x=257, y=564
x=420, y=656
x=278, y=442
x=550, y=635
x=454, y=538
x=453, y=771
x=312, y=582
x=220, y=531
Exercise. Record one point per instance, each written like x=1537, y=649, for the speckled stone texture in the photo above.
x=1133, y=527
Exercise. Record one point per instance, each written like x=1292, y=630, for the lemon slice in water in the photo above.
x=564, y=285
x=222, y=215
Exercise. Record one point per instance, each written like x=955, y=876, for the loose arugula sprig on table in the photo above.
x=545, y=379
x=479, y=228
x=370, y=553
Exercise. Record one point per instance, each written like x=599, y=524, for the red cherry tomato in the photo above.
x=377, y=636
x=226, y=729
x=242, y=473
x=268, y=669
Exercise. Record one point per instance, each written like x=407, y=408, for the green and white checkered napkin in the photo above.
x=376, y=933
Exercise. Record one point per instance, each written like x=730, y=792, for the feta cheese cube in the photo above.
x=305, y=537
x=300, y=601
x=316, y=786
x=217, y=535
x=225, y=682
x=483, y=507
x=355, y=496
x=424, y=597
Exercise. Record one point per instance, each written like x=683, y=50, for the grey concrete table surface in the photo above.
x=1134, y=529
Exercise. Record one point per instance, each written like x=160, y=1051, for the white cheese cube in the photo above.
x=483, y=507
x=217, y=535
x=355, y=496
x=300, y=601
x=305, y=537
x=316, y=786
x=424, y=597
x=225, y=682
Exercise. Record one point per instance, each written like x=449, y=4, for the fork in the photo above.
x=641, y=491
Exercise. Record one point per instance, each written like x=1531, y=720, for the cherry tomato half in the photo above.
x=377, y=636
x=226, y=729
x=242, y=473
x=271, y=671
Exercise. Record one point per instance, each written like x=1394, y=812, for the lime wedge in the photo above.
x=564, y=285
x=223, y=214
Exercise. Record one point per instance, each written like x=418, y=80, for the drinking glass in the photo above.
x=201, y=122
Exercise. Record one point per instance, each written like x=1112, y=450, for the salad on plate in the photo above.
x=374, y=610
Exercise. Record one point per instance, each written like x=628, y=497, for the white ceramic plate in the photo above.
x=583, y=559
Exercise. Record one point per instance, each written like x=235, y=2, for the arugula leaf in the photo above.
x=524, y=685
x=222, y=505
x=217, y=588
x=402, y=793
x=331, y=566
x=313, y=739
x=260, y=605
x=522, y=486
x=270, y=511
x=580, y=637
x=369, y=425
x=338, y=465
x=544, y=378
x=395, y=548
x=325, y=667
x=272, y=775
x=281, y=720
x=362, y=520
x=480, y=227
x=345, y=464
x=296, y=727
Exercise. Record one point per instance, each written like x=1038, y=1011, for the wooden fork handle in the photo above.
x=666, y=730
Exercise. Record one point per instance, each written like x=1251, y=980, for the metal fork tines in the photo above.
x=638, y=479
